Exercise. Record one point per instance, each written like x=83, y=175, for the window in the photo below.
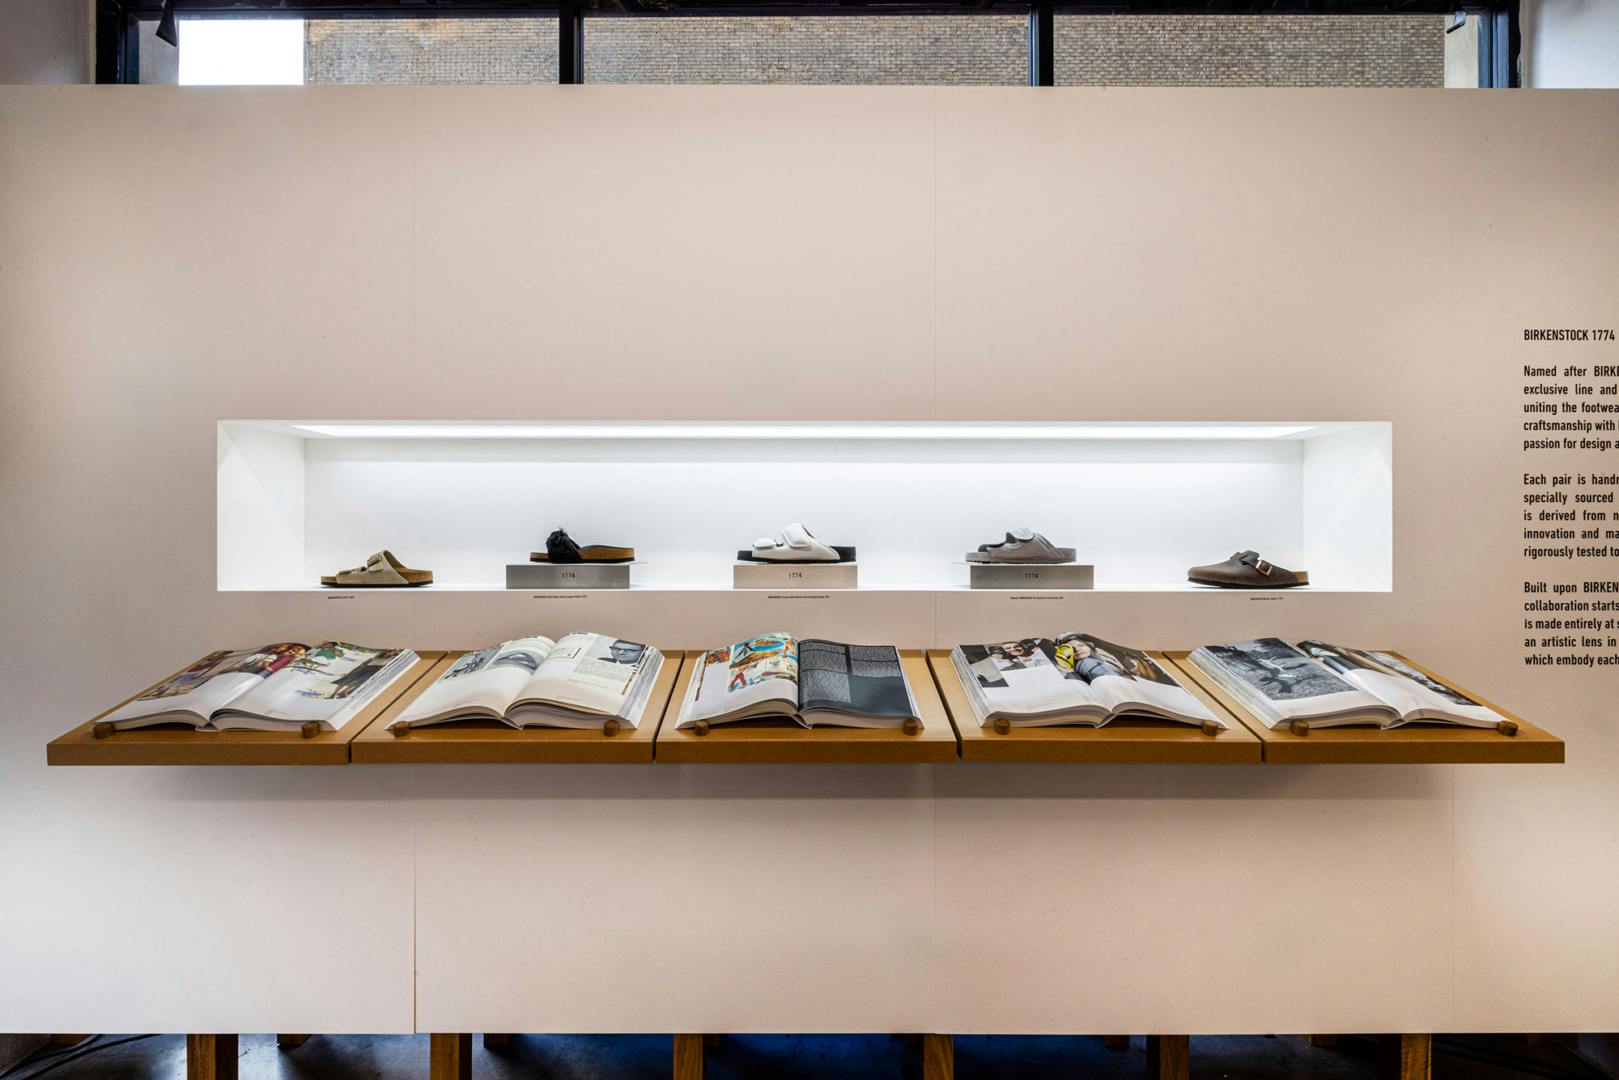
x=1252, y=50
x=436, y=50
x=1304, y=43
x=973, y=50
x=282, y=51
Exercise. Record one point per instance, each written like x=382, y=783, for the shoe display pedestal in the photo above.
x=1031, y=575
x=1368, y=744
x=537, y=575
x=784, y=742
x=1122, y=742
x=490, y=742
x=764, y=575
x=91, y=743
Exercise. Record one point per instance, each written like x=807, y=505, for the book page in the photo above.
x=322, y=684
x=207, y=685
x=1277, y=683
x=1127, y=680
x=856, y=680
x=485, y=681
x=1412, y=693
x=764, y=668
x=591, y=672
x=1021, y=676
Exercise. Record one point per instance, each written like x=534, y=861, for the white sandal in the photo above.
x=795, y=545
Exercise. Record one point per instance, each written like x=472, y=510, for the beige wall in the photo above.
x=172, y=258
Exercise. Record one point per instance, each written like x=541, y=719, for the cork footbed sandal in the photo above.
x=561, y=548
x=1246, y=570
x=381, y=570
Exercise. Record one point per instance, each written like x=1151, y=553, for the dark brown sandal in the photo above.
x=1246, y=570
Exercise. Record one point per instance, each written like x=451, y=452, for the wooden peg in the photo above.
x=310, y=728
x=1299, y=727
x=1002, y=725
x=700, y=728
x=1211, y=728
x=1507, y=728
x=101, y=731
x=610, y=727
x=911, y=726
x=400, y=729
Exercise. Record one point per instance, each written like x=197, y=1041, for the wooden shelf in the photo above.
x=174, y=744
x=491, y=742
x=1124, y=741
x=784, y=742
x=1415, y=744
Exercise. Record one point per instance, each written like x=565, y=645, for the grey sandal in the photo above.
x=1021, y=546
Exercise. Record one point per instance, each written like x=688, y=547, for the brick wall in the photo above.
x=1139, y=50
x=503, y=50
x=975, y=50
x=1251, y=50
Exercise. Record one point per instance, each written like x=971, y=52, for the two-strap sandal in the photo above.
x=1021, y=546
x=380, y=571
x=1246, y=570
x=560, y=548
x=795, y=545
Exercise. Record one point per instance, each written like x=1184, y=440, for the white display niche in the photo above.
x=1142, y=501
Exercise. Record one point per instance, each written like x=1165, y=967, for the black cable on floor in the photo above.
x=52, y=1062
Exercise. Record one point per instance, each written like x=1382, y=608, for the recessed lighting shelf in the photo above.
x=1140, y=500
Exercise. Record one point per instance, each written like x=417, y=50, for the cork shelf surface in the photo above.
x=785, y=742
x=1125, y=741
x=177, y=744
x=473, y=742
x=1412, y=744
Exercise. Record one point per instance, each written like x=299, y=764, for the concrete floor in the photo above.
x=791, y=1057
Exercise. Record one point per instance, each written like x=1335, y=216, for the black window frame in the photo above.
x=118, y=34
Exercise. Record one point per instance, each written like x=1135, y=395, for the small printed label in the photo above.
x=1058, y=597
x=349, y=596
x=561, y=596
x=798, y=596
x=1276, y=599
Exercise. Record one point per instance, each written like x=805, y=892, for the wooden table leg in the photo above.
x=938, y=1057
x=688, y=1057
x=290, y=1042
x=1169, y=1057
x=1116, y=1042
x=450, y=1057
x=1408, y=1057
x=1323, y=1042
x=493, y=1041
x=210, y=1057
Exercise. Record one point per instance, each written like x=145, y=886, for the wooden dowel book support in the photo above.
x=1298, y=742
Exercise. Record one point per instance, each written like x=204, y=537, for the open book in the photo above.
x=1072, y=679
x=809, y=681
x=1325, y=685
x=273, y=688
x=576, y=682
